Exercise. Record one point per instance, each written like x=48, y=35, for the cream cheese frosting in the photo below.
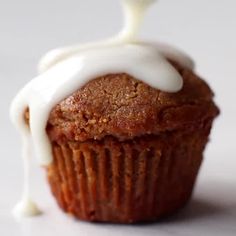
x=62, y=71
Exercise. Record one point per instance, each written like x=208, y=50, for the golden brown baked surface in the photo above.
x=124, y=107
x=143, y=179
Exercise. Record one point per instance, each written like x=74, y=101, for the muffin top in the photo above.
x=125, y=107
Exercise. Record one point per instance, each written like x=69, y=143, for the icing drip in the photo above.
x=134, y=11
x=26, y=207
x=49, y=88
x=65, y=70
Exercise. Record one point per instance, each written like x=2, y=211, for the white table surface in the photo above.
x=205, y=29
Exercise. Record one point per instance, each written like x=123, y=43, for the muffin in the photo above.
x=126, y=152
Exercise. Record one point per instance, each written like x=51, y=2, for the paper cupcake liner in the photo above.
x=139, y=180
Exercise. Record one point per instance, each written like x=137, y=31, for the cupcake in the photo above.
x=123, y=146
x=126, y=152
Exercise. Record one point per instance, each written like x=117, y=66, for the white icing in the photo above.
x=65, y=70
x=57, y=55
x=26, y=207
x=49, y=88
x=134, y=11
x=175, y=54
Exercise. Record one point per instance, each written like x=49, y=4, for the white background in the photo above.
x=204, y=29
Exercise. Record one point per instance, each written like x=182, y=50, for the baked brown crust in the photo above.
x=143, y=179
x=121, y=106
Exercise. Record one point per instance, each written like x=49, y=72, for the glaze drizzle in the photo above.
x=67, y=69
